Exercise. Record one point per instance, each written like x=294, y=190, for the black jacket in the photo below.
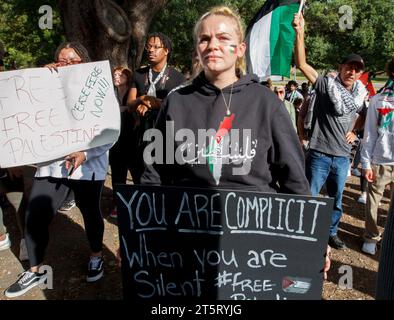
x=273, y=151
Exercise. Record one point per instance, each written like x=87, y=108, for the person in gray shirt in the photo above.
x=338, y=100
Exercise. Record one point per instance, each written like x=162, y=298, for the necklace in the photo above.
x=229, y=100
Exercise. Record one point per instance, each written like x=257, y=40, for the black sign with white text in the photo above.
x=221, y=244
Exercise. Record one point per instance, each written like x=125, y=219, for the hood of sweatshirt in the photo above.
x=206, y=88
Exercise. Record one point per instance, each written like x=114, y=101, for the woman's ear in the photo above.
x=242, y=49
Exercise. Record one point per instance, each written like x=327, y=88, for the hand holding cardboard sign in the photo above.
x=74, y=160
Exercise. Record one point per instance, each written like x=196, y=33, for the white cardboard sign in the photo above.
x=46, y=115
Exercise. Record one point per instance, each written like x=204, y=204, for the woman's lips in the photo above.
x=212, y=58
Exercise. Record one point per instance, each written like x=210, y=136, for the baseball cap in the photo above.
x=353, y=58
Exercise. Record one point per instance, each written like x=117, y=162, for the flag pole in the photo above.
x=301, y=6
x=299, y=13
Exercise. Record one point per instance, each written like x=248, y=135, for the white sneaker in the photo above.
x=369, y=247
x=23, y=256
x=6, y=243
x=363, y=198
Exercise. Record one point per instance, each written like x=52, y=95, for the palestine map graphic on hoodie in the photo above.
x=215, y=158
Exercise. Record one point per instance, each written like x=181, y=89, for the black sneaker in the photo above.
x=67, y=206
x=336, y=243
x=26, y=281
x=95, y=269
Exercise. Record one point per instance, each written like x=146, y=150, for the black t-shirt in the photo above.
x=170, y=80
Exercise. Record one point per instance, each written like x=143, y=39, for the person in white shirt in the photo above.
x=377, y=156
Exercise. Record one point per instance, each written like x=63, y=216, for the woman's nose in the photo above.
x=213, y=43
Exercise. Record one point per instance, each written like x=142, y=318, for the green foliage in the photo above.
x=371, y=34
x=25, y=42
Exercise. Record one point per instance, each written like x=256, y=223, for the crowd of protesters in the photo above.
x=314, y=129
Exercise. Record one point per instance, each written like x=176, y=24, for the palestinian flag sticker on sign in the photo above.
x=296, y=285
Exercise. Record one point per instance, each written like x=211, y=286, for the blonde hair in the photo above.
x=240, y=64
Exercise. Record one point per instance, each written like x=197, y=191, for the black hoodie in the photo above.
x=271, y=158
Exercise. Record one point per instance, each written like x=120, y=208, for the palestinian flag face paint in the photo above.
x=233, y=49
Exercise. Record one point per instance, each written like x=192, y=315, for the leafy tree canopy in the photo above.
x=26, y=44
x=370, y=34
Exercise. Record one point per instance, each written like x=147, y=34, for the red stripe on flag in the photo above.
x=384, y=111
x=368, y=84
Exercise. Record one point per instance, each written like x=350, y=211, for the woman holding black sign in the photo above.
x=252, y=144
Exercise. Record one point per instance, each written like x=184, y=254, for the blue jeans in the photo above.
x=323, y=168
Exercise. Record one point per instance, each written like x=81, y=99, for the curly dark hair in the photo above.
x=78, y=48
x=292, y=82
x=165, y=40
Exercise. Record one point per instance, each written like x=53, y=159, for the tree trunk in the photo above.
x=110, y=30
x=2, y=50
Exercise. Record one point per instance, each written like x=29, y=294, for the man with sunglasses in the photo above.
x=149, y=86
x=338, y=100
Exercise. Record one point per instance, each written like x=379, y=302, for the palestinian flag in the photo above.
x=270, y=39
x=368, y=84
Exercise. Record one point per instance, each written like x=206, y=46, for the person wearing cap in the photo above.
x=338, y=100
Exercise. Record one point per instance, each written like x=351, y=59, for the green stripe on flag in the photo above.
x=282, y=36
